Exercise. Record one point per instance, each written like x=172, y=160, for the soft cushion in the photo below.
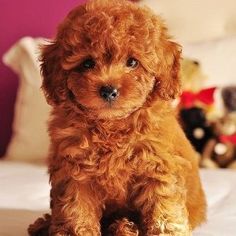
x=30, y=140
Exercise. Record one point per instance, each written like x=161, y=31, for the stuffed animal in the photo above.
x=192, y=75
x=194, y=92
x=220, y=152
x=229, y=98
x=227, y=124
x=196, y=127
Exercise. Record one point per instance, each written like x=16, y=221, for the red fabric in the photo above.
x=205, y=96
x=228, y=138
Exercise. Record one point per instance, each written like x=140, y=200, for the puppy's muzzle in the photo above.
x=108, y=93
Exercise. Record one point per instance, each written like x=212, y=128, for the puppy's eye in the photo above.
x=132, y=62
x=88, y=64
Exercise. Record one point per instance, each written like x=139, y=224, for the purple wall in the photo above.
x=20, y=18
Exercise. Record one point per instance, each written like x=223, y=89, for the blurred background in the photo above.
x=206, y=29
x=19, y=19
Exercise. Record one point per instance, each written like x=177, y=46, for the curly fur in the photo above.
x=129, y=156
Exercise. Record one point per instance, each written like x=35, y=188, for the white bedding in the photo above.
x=24, y=195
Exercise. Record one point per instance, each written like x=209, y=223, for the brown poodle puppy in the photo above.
x=120, y=163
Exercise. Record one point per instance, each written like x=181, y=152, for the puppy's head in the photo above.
x=110, y=58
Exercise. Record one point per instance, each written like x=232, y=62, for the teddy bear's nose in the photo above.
x=108, y=93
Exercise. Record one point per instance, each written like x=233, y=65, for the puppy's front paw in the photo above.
x=123, y=227
x=169, y=229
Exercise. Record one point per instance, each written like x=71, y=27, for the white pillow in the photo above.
x=30, y=140
x=217, y=58
x=199, y=20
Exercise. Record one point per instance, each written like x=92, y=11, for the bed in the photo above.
x=25, y=196
x=24, y=187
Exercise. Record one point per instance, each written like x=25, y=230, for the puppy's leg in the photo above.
x=40, y=226
x=163, y=209
x=123, y=228
x=195, y=197
x=75, y=210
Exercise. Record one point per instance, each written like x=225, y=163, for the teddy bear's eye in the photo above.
x=88, y=64
x=132, y=62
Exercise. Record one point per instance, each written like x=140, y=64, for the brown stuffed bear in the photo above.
x=220, y=152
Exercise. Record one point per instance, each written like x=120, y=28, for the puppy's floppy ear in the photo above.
x=168, y=78
x=53, y=83
x=54, y=77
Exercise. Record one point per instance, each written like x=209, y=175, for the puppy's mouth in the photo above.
x=106, y=110
x=105, y=97
x=108, y=101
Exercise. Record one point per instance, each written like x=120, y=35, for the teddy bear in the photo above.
x=229, y=98
x=194, y=92
x=192, y=76
x=221, y=151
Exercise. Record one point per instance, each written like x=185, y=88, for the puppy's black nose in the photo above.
x=108, y=93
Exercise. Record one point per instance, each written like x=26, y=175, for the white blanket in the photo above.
x=24, y=195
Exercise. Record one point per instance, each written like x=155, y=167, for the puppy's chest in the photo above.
x=120, y=164
x=113, y=153
x=121, y=156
